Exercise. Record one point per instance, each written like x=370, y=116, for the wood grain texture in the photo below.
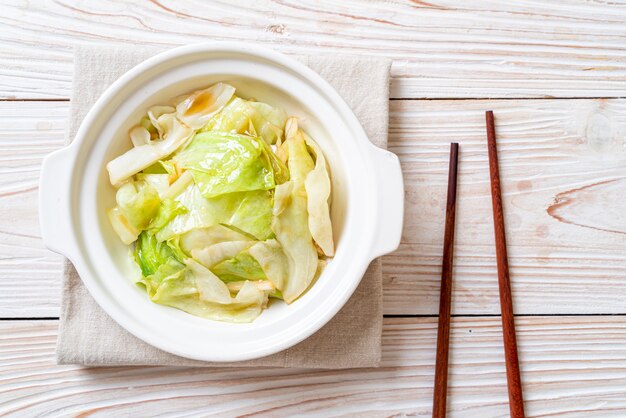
x=440, y=48
x=556, y=157
x=29, y=273
x=572, y=367
x=560, y=161
x=563, y=166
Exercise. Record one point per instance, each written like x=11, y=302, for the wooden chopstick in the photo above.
x=443, y=332
x=516, y=400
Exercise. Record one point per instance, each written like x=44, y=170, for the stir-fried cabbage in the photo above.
x=243, y=116
x=291, y=221
x=198, y=108
x=225, y=163
x=317, y=185
x=226, y=202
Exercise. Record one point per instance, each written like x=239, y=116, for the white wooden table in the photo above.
x=553, y=72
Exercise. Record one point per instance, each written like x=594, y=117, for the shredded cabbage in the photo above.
x=226, y=202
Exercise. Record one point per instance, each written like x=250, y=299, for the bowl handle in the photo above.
x=390, y=200
x=54, y=201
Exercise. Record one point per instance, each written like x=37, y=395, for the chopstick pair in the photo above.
x=516, y=400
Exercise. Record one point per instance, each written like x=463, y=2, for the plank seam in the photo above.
x=440, y=99
x=56, y=318
x=393, y=99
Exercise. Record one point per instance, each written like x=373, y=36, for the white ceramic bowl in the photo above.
x=367, y=206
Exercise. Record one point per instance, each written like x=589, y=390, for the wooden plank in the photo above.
x=561, y=160
x=571, y=366
x=29, y=273
x=441, y=48
x=563, y=169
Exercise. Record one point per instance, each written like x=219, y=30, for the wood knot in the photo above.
x=279, y=29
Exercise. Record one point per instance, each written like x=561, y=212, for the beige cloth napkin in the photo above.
x=352, y=338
